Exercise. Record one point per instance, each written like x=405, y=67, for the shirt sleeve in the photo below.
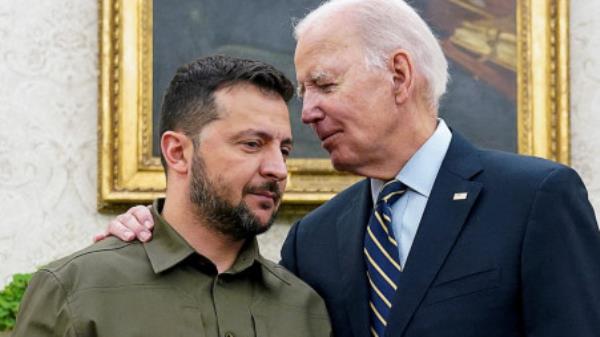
x=44, y=310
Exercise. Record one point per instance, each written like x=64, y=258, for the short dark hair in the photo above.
x=189, y=104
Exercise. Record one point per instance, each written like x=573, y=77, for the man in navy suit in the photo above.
x=488, y=243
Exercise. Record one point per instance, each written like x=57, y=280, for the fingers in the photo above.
x=143, y=216
x=101, y=236
x=137, y=222
x=118, y=228
x=127, y=227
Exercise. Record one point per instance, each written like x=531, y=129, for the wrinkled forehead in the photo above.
x=318, y=53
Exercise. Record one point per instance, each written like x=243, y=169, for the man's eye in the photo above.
x=252, y=144
x=327, y=87
x=286, y=152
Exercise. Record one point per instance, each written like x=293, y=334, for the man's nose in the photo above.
x=311, y=109
x=274, y=166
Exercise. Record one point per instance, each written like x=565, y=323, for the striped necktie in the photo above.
x=381, y=254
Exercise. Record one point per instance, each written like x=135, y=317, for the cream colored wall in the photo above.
x=48, y=112
x=585, y=94
x=48, y=70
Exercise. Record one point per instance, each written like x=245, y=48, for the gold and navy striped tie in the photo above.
x=381, y=254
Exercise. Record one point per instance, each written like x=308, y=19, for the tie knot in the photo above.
x=391, y=191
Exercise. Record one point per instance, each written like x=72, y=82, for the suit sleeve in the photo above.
x=288, y=251
x=560, y=266
x=44, y=310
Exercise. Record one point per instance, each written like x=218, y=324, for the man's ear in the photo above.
x=177, y=150
x=402, y=69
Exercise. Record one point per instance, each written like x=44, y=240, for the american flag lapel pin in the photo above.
x=460, y=196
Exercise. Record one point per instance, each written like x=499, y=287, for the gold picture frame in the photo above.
x=125, y=104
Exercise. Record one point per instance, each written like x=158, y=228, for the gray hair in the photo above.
x=385, y=25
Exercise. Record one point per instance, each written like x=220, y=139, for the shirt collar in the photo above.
x=420, y=171
x=168, y=248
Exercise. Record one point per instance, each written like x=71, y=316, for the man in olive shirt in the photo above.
x=225, y=136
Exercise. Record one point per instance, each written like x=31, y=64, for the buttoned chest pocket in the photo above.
x=137, y=312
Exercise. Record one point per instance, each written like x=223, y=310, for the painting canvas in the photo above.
x=478, y=37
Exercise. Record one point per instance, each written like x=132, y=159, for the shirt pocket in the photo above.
x=289, y=322
x=137, y=311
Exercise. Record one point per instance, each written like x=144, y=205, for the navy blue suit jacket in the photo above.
x=520, y=256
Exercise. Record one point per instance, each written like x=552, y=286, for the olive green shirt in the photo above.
x=164, y=288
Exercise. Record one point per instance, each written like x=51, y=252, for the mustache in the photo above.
x=270, y=186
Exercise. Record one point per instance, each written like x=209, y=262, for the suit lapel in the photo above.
x=351, y=226
x=440, y=226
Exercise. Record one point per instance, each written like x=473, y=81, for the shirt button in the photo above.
x=229, y=334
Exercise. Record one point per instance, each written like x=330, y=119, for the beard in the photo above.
x=234, y=221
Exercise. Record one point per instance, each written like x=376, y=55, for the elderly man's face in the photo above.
x=348, y=105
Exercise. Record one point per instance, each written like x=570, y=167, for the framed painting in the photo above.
x=508, y=90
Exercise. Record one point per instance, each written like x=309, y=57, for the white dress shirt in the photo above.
x=418, y=174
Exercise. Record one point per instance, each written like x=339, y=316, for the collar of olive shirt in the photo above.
x=168, y=248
